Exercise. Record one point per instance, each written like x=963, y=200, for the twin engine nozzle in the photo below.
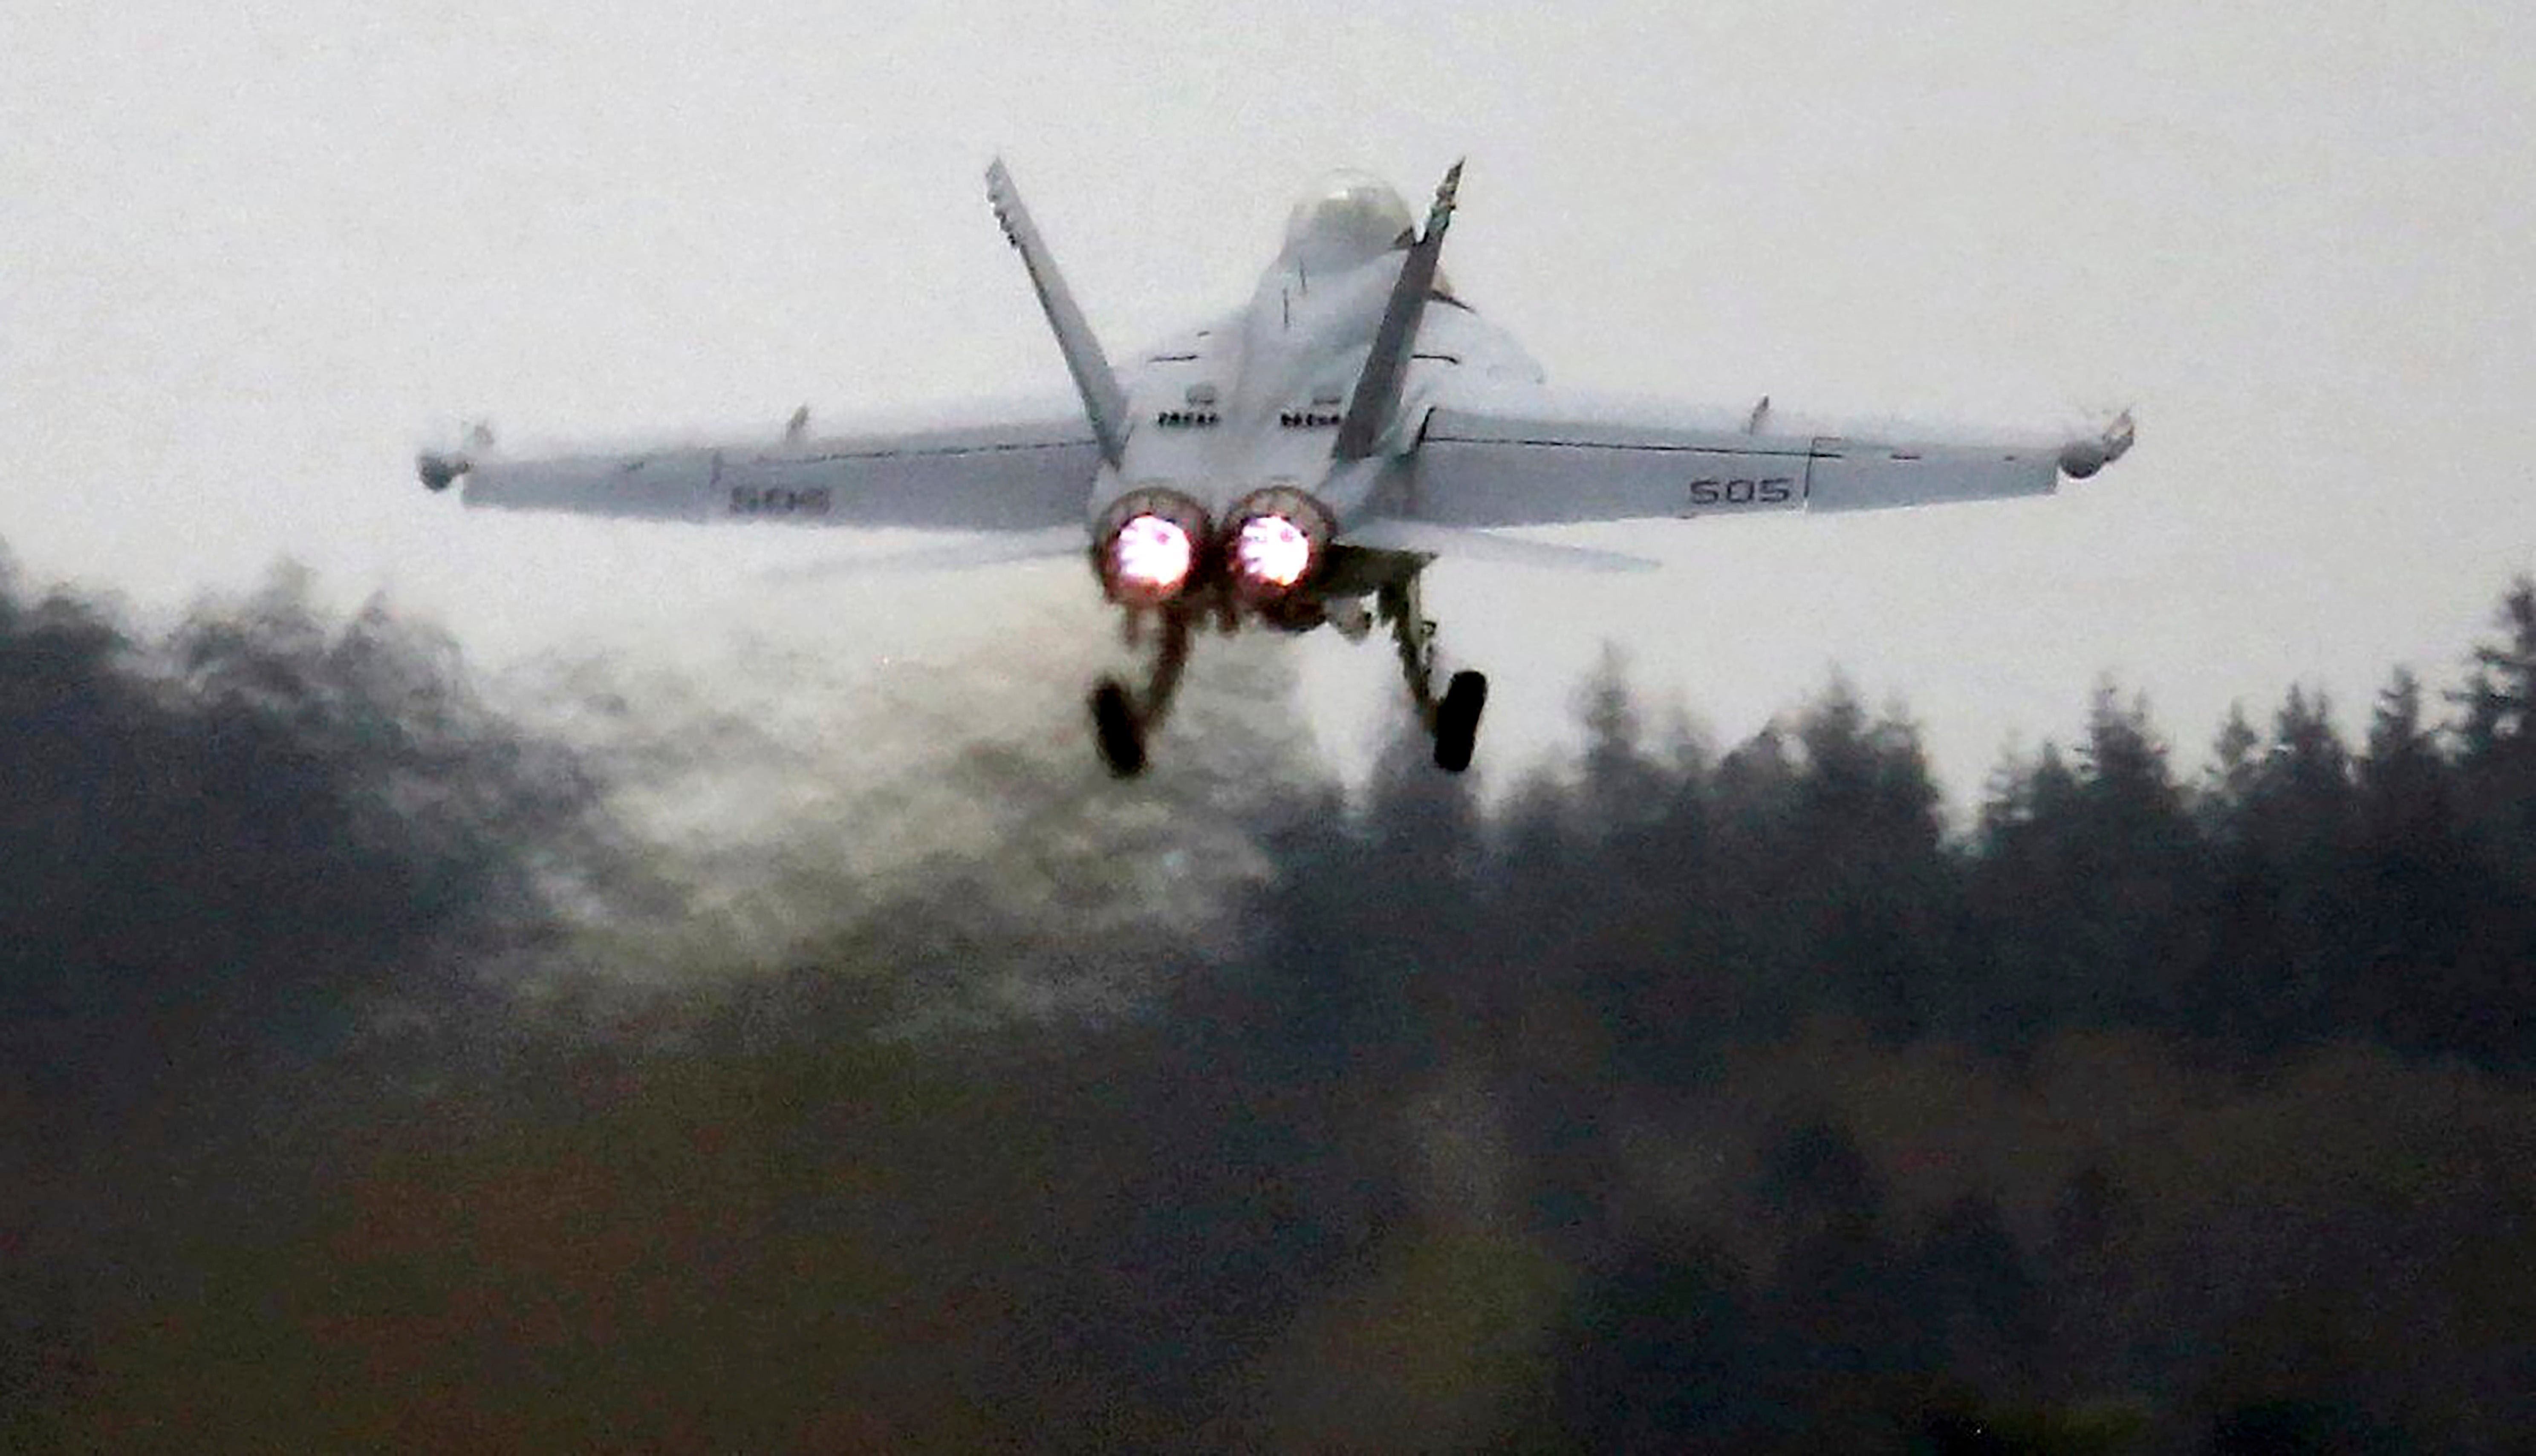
x=1155, y=544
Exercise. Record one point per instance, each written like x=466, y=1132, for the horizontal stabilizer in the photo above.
x=959, y=555
x=1464, y=543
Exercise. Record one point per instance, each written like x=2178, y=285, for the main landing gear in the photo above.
x=1123, y=718
x=1453, y=720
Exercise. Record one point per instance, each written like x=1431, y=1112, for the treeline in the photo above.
x=2135, y=1116
x=2300, y=890
x=229, y=846
x=1684, y=1101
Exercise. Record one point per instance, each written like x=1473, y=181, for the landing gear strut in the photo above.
x=1453, y=719
x=1121, y=719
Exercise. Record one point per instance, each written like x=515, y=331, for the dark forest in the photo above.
x=1673, y=1099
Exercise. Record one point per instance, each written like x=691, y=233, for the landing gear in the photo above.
x=1114, y=730
x=1457, y=721
x=1454, y=719
x=1121, y=719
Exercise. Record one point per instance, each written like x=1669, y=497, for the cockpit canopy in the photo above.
x=1349, y=217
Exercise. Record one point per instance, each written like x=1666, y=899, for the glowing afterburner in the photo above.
x=1152, y=556
x=1277, y=540
x=1152, y=546
x=1272, y=552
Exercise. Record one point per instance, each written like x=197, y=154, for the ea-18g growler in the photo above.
x=1294, y=465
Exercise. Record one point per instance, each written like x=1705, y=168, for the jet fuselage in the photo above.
x=1254, y=401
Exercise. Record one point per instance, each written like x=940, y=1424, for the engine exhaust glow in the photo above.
x=1151, y=556
x=1272, y=552
x=1152, y=546
x=1276, y=541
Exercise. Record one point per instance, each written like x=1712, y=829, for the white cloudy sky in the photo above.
x=254, y=252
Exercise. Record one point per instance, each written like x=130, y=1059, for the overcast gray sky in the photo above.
x=254, y=252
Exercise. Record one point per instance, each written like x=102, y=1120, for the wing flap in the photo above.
x=960, y=555
x=1482, y=468
x=1844, y=475
x=1010, y=478
x=1461, y=544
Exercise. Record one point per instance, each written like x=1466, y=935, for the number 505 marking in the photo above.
x=1743, y=490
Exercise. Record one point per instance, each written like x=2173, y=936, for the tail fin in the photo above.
x=1377, y=390
x=1104, y=402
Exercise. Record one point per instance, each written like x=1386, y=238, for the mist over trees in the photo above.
x=1675, y=1100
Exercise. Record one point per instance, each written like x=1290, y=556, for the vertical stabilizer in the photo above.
x=1377, y=390
x=1104, y=402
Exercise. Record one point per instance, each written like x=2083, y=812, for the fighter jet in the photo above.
x=1295, y=464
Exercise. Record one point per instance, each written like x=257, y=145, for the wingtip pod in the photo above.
x=2081, y=459
x=439, y=470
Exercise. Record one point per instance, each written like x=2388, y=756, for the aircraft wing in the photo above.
x=1535, y=464
x=1027, y=476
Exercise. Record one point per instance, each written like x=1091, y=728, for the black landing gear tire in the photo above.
x=1457, y=721
x=1114, y=730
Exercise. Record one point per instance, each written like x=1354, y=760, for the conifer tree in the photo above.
x=2092, y=908
x=2488, y=1004
x=2403, y=779
x=2414, y=885
x=2235, y=759
x=1869, y=868
x=2284, y=931
x=2499, y=730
